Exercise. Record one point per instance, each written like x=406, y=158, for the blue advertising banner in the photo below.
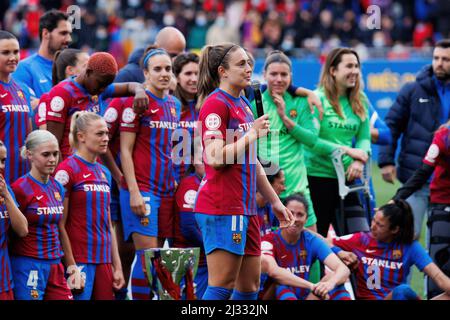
x=382, y=79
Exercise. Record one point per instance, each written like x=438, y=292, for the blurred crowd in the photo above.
x=119, y=26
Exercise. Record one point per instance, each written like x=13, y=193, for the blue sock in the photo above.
x=217, y=293
x=404, y=292
x=237, y=295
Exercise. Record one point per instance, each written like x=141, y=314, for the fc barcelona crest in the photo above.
x=293, y=113
x=173, y=112
x=396, y=254
x=20, y=94
x=248, y=109
x=145, y=221
x=237, y=237
x=303, y=254
x=34, y=294
x=94, y=99
x=57, y=196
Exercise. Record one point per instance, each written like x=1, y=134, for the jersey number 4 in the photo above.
x=33, y=279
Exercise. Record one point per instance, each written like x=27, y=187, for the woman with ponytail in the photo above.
x=148, y=185
x=90, y=246
x=382, y=258
x=36, y=259
x=67, y=63
x=226, y=209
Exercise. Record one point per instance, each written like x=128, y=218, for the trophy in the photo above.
x=171, y=272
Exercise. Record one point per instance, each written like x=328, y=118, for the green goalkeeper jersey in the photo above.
x=285, y=147
x=336, y=130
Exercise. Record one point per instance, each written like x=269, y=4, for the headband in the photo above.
x=152, y=53
x=226, y=52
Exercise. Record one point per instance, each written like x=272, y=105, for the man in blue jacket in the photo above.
x=168, y=38
x=420, y=108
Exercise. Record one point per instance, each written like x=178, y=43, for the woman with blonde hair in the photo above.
x=89, y=244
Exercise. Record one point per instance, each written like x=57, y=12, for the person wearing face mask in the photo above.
x=197, y=34
x=420, y=108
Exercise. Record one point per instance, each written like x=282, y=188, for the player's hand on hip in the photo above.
x=137, y=204
x=389, y=173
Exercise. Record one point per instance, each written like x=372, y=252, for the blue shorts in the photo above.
x=223, y=232
x=144, y=225
x=38, y=279
x=115, y=202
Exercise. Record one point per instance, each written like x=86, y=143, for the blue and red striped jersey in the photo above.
x=230, y=190
x=298, y=257
x=6, y=280
x=43, y=206
x=15, y=125
x=187, y=234
x=382, y=266
x=112, y=116
x=66, y=98
x=152, y=154
x=184, y=139
x=87, y=187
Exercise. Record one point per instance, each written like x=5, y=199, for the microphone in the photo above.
x=258, y=98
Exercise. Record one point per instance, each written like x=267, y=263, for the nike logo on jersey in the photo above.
x=370, y=251
x=282, y=257
x=39, y=197
x=423, y=100
x=3, y=95
x=43, y=80
x=80, y=101
x=154, y=110
x=86, y=175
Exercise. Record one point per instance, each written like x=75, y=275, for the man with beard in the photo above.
x=36, y=71
x=420, y=108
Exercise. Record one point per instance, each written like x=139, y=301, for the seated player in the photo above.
x=296, y=249
x=382, y=258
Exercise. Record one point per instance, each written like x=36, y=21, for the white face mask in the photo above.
x=220, y=22
x=169, y=20
x=201, y=21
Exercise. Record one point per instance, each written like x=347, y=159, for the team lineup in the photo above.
x=109, y=176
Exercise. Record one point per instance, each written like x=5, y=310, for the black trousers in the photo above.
x=326, y=201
